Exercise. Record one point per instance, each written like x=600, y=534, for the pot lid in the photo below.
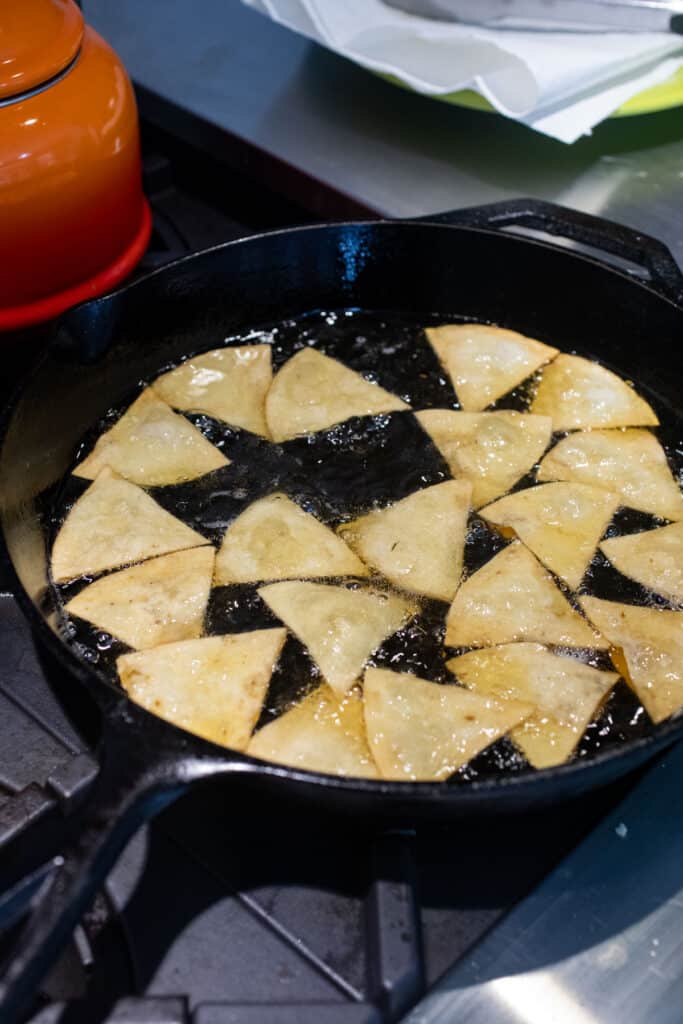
x=38, y=39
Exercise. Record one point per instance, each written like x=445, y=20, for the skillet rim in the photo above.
x=489, y=789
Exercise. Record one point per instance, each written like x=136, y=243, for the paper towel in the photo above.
x=559, y=83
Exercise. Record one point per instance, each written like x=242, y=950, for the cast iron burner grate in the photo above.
x=221, y=912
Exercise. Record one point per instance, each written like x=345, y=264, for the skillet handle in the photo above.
x=587, y=229
x=142, y=771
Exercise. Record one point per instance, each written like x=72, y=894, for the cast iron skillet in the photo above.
x=461, y=263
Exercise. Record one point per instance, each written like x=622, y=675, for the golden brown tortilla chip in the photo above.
x=511, y=598
x=630, y=463
x=312, y=392
x=561, y=523
x=649, y=651
x=653, y=558
x=274, y=539
x=151, y=445
x=418, y=543
x=230, y=384
x=484, y=362
x=116, y=523
x=422, y=731
x=490, y=449
x=214, y=687
x=579, y=393
x=158, y=602
x=341, y=627
x=321, y=734
x=565, y=693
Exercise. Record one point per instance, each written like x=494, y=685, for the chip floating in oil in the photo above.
x=228, y=383
x=338, y=545
x=566, y=694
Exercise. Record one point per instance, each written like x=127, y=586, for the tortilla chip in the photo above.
x=321, y=734
x=158, y=602
x=484, y=362
x=115, y=523
x=418, y=543
x=422, y=731
x=630, y=463
x=274, y=539
x=510, y=598
x=653, y=558
x=562, y=524
x=490, y=449
x=151, y=445
x=649, y=655
x=579, y=393
x=565, y=693
x=214, y=687
x=230, y=384
x=312, y=392
x=340, y=627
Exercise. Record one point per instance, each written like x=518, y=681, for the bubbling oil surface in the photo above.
x=345, y=471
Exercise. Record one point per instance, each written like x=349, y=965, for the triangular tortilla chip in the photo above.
x=579, y=393
x=312, y=392
x=631, y=463
x=510, y=598
x=565, y=693
x=483, y=362
x=274, y=539
x=562, y=524
x=151, y=445
x=214, y=687
x=321, y=734
x=230, y=384
x=418, y=543
x=490, y=449
x=340, y=627
x=116, y=523
x=158, y=602
x=653, y=558
x=422, y=731
x=649, y=651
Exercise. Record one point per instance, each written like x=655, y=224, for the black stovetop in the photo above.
x=221, y=913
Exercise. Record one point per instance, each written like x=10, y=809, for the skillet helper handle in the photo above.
x=587, y=229
x=134, y=783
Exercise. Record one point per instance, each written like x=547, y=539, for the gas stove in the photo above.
x=220, y=912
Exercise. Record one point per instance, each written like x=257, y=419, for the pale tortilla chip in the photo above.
x=483, y=362
x=653, y=558
x=340, y=627
x=158, y=602
x=423, y=732
x=230, y=384
x=151, y=445
x=116, y=523
x=214, y=687
x=312, y=392
x=649, y=651
x=562, y=523
x=418, y=543
x=274, y=539
x=579, y=393
x=490, y=449
x=321, y=734
x=631, y=463
x=565, y=693
x=511, y=598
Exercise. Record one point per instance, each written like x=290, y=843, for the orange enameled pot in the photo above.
x=73, y=218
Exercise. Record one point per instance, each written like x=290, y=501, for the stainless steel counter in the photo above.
x=601, y=940
x=340, y=140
